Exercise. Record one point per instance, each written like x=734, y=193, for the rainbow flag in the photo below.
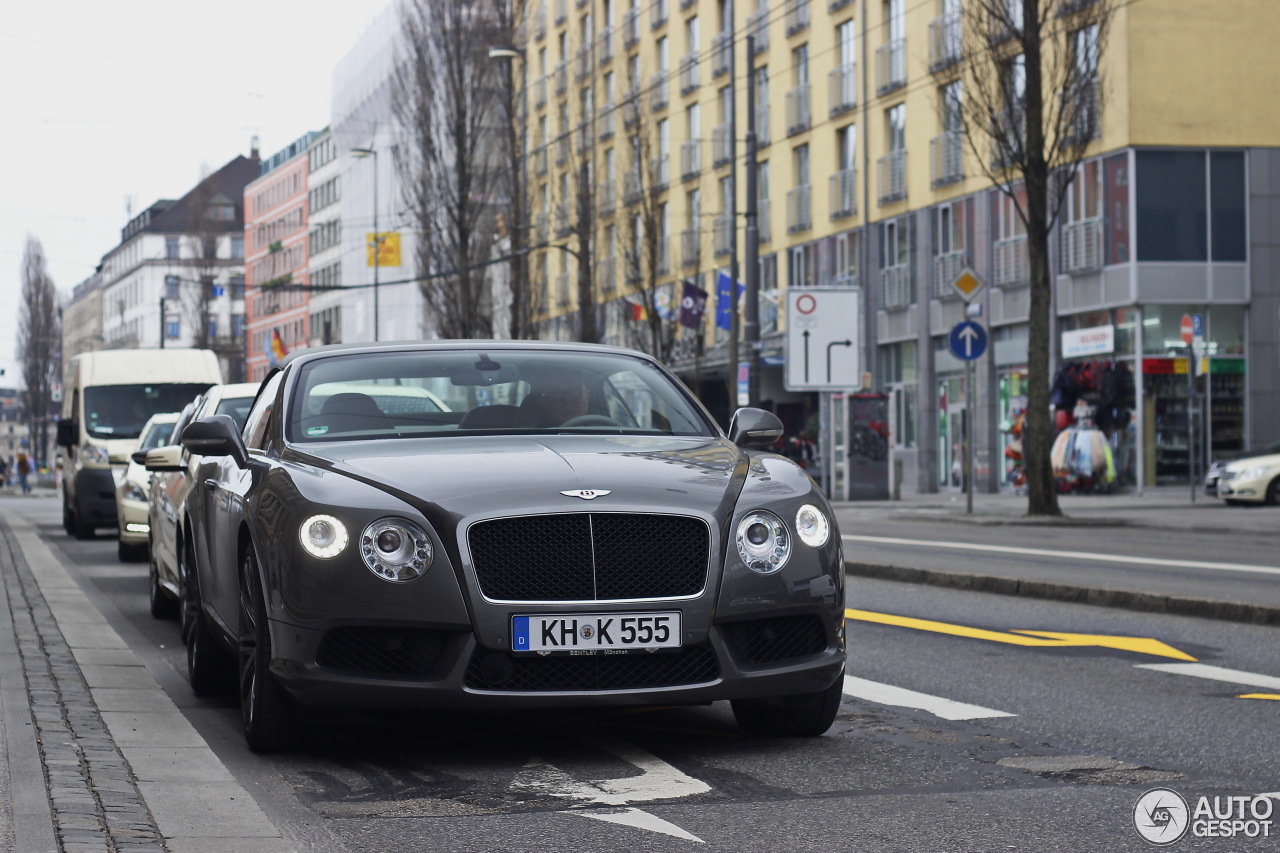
x=276, y=352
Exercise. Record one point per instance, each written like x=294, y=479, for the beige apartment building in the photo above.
x=866, y=180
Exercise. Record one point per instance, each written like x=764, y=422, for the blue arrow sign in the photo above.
x=968, y=340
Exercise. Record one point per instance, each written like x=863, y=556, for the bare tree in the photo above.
x=39, y=344
x=647, y=251
x=1029, y=107
x=196, y=289
x=447, y=108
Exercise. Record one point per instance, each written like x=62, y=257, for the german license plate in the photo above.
x=595, y=632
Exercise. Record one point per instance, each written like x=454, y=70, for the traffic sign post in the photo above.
x=967, y=284
x=824, y=351
x=968, y=342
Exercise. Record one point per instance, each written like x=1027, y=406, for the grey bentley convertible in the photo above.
x=488, y=524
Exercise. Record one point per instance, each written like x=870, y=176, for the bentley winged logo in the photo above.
x=585, y=494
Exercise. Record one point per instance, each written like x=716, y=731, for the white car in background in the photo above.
x=1251, y=479
x=134, y=488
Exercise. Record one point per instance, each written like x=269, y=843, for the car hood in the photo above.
x=467, y=478
x=1245, y=463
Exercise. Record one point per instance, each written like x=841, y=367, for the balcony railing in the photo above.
x=540, y=160
x=663, y=260
x=606, y=279
x=562, y=289
x=842, y=187
x=688, y=73
x=659, y=172
x=799, y=209
x=561, y=10
x=657, y=14
x=764, y=228
x=798, y=109
x=721, y=48
x=892, y=176
x=564, y=224
x=946, y=158
x=604, y=46
x=690, y=247
x=895, y=287
x=631, y=28
x=945, y=42
x=606, y=198
x=1011, y=265
x=842, y=84
x=762, y=124
x=658, y=94
x=562, y=149
x=758, y=28
x=722, y=235
x=540, y=92
x=797, y=14
x=631, y=109
x=631, y=187
x=605, y=121
x=721, y=145
x=561, y=75
x=690, y=159
x=945, y=269
x=540, y=23
x=583, y=63
x=891, y=66
x=1082, y=245
x=584, y=137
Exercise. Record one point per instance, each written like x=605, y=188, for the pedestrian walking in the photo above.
x=23, y=465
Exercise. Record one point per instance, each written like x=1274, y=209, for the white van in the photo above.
x=109, y=396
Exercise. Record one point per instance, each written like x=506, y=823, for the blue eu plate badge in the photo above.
x=520, y=634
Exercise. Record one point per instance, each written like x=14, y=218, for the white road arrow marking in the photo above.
x=900, y=697
x=639, y=820
x=657, y=781
x=1215, y=673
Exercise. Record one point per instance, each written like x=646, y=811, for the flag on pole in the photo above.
x=638, y=312
x=725, y=302
x=276, y=352
x=693, y=302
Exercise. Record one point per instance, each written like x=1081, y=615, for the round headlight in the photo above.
x=812, y=527
x=323, y=536
x=396, y=550
x=763, y=543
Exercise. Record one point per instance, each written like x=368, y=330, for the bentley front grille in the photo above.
x=590, y=556
x=535, y=674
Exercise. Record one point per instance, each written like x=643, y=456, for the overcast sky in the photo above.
x=101, y=102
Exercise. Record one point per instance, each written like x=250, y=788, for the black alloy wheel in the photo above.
x=805, y=715
x=162, y=605
x=1273, y=492
x=264, y=708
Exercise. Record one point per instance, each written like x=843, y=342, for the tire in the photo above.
x=265, y=710
x=81, y=529
x=208, y=665
x=805, y=715
x=126, y=553
x=1273, y=492
x=162, y=605
x=68, y=519
x=188, y=601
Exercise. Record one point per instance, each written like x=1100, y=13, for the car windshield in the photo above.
x=121, y=411
x=157, y=435
x=237, y=408
x=474, y=392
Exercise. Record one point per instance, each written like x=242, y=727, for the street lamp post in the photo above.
x=377, y=237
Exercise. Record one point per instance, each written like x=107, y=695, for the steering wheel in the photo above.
x=591, y=421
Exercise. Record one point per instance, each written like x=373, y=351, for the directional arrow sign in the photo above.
x=822, y=348
x=1039, y=639
x=968, y=340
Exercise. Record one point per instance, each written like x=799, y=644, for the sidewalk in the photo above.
x=123, y=770
x=1156, y=509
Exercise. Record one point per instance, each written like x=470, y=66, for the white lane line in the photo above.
x=1215, y=673
x=640, y=820
x=900, y=697
x=1068, y=555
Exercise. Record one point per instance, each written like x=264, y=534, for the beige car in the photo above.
x=134, y=488
x=1252, y=479
x=169, y=490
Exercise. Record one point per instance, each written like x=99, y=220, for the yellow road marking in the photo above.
x=1036, y=639
x=1275, y=696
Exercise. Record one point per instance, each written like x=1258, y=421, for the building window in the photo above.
x=1172, y=213
x=171, y=248
x=172, y=326
x=171, y=287
x=1226, y=205
x=237, y=247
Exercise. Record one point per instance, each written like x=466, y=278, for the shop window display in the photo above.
x=1093, y=411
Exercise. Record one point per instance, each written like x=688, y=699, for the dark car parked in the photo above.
x=572, y=529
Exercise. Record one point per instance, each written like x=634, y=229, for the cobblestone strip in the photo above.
x=95, y=801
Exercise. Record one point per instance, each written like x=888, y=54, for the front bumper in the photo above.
x=1253, y=490
x=95, y=495
x=131, y=516
x=412, y=668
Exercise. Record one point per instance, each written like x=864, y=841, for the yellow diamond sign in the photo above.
x=967, y=284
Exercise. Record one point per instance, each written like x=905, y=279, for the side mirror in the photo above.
x=215, y=435
x=754, y=428
x=68, y=433
x=167, y=458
